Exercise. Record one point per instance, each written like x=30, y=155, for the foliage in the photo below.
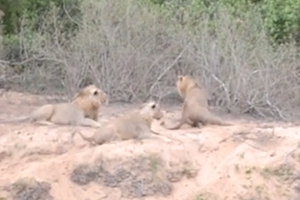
x=281, y=18
x=14, y=11
x=133, y=49
x=18, y=12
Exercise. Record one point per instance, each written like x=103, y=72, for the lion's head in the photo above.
x=152, y=110
x=92, y=96
x=185, y=83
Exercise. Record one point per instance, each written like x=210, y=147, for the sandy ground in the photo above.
x=247, y=161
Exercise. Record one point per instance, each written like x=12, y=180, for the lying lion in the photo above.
x=133, y=125
x=83, y=110
x=195, y=106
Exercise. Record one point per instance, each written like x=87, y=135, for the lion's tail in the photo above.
x=88, y=139
x=211, y=118
x=18, y=119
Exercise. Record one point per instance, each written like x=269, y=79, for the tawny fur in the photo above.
x=83, y=110
x=133, y=125
x=195, y=106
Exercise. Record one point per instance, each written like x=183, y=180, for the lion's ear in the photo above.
x=180, y=77
x=95, y=92
x=153, y=105
x=146, y=104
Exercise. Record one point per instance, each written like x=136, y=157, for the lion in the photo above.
x=195, y=106
x=82, y=110
x=133, y=125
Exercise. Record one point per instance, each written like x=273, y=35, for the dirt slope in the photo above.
x=241, y=162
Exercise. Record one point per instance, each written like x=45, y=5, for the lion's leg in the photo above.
x=93, y=116
x=149, y=135
x=43, y=113
x=154, y=132
x=161, y=137
x=138, y=140
x=44, y=122
x=89, y=122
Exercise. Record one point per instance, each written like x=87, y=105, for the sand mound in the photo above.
x=246, y=161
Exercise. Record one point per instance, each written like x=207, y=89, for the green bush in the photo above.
x=14, y=10
x=282, y=19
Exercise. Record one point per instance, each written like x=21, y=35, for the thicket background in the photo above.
x=246, y=52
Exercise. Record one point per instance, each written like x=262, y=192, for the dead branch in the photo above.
x=166, y=70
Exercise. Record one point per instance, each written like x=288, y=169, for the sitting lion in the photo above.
x=195, y=107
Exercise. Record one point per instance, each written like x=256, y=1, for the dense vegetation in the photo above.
x=244, y=51
x=280, y=18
